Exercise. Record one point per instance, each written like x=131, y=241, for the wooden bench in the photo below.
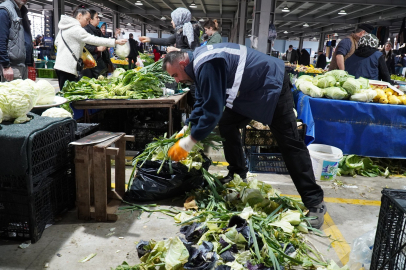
x=94, y=196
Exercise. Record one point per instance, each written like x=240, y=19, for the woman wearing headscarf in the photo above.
x=367, y=61
x=186, y=35
x=304, y=58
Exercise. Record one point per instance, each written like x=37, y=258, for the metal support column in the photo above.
x=59, y=9
x=260, y=25
x=242, y=21
x=159, y=33
x=143, y=29
x=116, y=22
x=300, y=43
x=321, y=41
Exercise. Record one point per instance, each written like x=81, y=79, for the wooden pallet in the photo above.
x=95, y=198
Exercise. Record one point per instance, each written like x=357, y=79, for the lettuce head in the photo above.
x=46, y=92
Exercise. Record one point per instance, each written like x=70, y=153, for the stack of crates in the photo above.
x=31, y=201
x=262, y=151
x=390, y=240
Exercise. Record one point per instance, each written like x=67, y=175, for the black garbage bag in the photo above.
x=147, y=185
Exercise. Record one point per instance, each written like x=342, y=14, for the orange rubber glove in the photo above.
x=180, y=134
x=181, y=148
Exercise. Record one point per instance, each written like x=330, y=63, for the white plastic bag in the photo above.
x=122, y=51
x=361, y=251
x=139, y=62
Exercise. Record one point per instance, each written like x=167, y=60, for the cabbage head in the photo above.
x=310, y=89
x=364, y=96
x=56, y=112
x=335, y=93
x=364, y=83
x=1, y=115
x=352, y=86
x=118, y=73
x=17, y=98
x=337, y=74
x=325, y=81
x=46, y=92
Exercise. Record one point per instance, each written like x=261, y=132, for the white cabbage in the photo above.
x=56, y=112
x=46, y=92
x=364, y=96
x=122, y=51
x=17, y=98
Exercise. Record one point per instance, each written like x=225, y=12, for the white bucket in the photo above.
x=325, y=160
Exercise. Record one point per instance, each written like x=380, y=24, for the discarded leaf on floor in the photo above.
x=88, y=258
x=190, y=203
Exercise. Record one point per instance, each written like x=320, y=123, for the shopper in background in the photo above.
x=132, y=57
x=17, y=55
x=38, y=41
x=367, y=61
x=70, y=42
x=106, y=53
x=347, y=46
x=389, y=57
x=291, y=55
x=321, y=60
x=210, y=28
x=186, y=35
x=304, y=58
x=156, y=52
x=234, y=85
x=96, y=51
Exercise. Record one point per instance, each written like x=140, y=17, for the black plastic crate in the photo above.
x=144, y=136
x=47, y=151
x=256, y=137
x=84, y=129
x=266, y=163
x=63, y=189
x=24, y=217
x=390, y=239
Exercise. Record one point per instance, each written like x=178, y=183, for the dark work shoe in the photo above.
x=318, y=213
x=230, y=176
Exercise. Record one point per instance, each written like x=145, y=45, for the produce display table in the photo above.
x=170, y=102
x=366, y=129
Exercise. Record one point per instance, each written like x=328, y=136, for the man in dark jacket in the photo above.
x=93, y=28
x=235, y=84
x=291, y=55
x=16, y=56
x=321, y=60
x=132, y=57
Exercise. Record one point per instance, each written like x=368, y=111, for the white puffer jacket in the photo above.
x=76, y=37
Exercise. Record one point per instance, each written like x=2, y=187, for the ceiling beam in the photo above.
x=352, y=11
x=369, y=12
x=311, y=19
x=224, y=15
x=294, y=8
x=400, y=3
x=203, y=7
x=169, y=5
x=281, y=4
x=334, y=10
x=313, y=9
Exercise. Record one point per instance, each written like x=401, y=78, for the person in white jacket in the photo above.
x=71, y=28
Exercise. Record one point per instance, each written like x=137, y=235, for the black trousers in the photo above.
x=131, y=61
x=63, y=77
x=284, y=129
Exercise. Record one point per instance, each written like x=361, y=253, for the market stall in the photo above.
x=366, y=129
x=169, y=102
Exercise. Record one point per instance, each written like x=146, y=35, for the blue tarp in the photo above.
x=365, y=129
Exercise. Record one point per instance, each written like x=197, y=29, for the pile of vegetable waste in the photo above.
x=144, y=83
x=371, y=167
x=239, y=225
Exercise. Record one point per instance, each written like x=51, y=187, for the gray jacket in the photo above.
x=16, y=42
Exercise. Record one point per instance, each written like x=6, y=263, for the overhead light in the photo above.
x=139, y=3
x=249, y=35
x=163, y=18
x=314, y=38
x=285, y=9
x=201, y=20
x=100, y=15
x=128, y=24
x=305, y=25
x=285, y=32
x=193, y=5
x=342, y=12
x=335, y=34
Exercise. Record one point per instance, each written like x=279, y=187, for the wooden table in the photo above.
x=170, y=102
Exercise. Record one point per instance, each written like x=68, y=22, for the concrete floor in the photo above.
x=69, y=240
